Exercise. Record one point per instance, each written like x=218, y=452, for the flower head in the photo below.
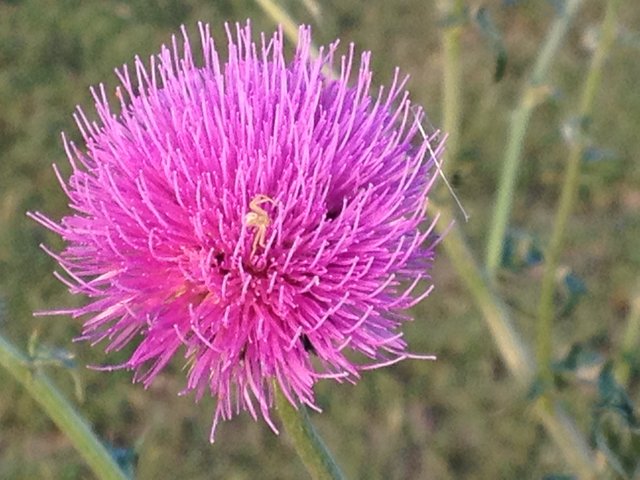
x=259, y=216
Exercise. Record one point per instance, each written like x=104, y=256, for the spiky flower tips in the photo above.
x=262, y=217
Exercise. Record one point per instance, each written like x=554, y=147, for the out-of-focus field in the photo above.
x=460, y=417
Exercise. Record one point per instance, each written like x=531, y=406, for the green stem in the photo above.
x=569, y=440
x=452, y=11
x=514, y=352
x=496, y=314
x=534, y=92
x=306, y=441
x=512, y=348
x=281, y=17
x=568, y=194
x=630, y=338
x=61, y=412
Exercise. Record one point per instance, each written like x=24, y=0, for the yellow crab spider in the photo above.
x=259, y=219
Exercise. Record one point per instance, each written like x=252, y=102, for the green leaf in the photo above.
x=615, y=426
x=48, y=356
x=125, y=457
x=594, y=155
x=494, y=38
x=536, y=389
x=571, y=289
x=41, y=355
x=582, y=363
x=613, y=397
x=579, y=357
x=520, y=250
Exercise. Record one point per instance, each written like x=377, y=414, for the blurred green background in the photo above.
x=460, y=417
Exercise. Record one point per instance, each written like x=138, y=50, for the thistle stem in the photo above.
x=451, y=11
x=534, y=92
x=496, y=314
x=61, y=412
x=281, y=17
x=515, y=353
x=568, y=194
x=512, y=348
x=307, y=443
x=630, y=338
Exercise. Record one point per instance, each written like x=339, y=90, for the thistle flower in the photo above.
x=256, y=215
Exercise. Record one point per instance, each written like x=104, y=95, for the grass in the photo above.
x=461, y=417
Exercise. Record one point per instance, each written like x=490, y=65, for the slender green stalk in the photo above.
x=630, y=338
x=569, y=440
x=568, y=194
x=306, y=441
x=281, y=17
x=512, y=348
x=533, y=93
x=61, y=412
x=452, y=11
x=516, y=355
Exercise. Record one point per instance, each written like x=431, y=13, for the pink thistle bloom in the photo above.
x=258, y=214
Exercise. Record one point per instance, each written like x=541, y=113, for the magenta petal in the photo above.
x=253, y=213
